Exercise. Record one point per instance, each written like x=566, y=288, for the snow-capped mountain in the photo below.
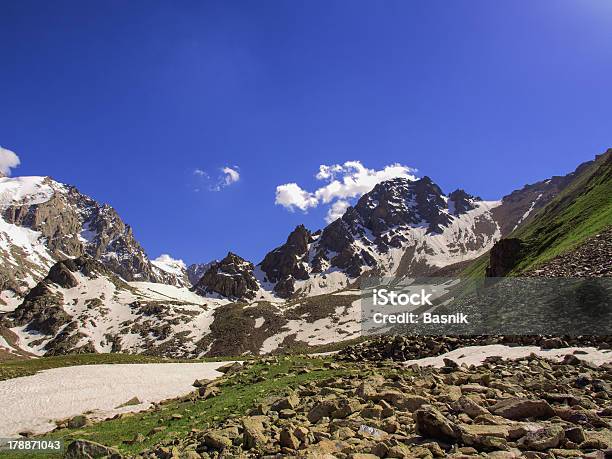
x=74, y=279
x=43, y=221
x=400, y=228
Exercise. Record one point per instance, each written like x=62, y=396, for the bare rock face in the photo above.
x=232, y=277
x=503, y=257
x=462, y=201
x=287, y=263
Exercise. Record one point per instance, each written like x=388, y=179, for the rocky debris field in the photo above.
x=531, y=408
x=403, y=348
x=591, y=259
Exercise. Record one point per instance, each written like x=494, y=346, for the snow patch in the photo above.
x=475, y=355
x=36, y=401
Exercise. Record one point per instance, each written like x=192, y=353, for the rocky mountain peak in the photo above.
x=231, y=277
x=288, y=262
x=459, y=202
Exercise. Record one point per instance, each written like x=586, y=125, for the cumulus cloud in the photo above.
x=336, y=210
x=227, y=176
x=344, y=182
x=167, y=260
x=291, y=196
x=231, y=175
x=8, y=160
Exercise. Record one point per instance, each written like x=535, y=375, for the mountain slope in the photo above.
x=581, y=211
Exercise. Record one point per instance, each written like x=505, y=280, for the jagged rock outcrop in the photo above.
x=288, y=262
x=231, y=277
x=462, y=202
x=503, y=257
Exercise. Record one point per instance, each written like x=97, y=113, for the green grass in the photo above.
x=580, y=211
x=26, y=367
x=240, y=393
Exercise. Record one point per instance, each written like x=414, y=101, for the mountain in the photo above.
x=400, y=228
x=74, y=279
x=43, y=221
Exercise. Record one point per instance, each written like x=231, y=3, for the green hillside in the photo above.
x=580, y=211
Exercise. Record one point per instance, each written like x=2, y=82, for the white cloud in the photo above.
x=226, y=177
x=8, y=160
x=166, y=259
x=336, y=210
x=231, y=175
x=344, y=182
x=290, y=196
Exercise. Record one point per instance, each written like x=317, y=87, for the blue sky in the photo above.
x=126, y=99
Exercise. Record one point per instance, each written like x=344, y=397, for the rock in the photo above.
x=542, y=439
x=430, y=423
x=230, y=368
x=503, y=256
x=85, y=449
x=470, y=407
x=131, y=402
x=216, y=440
x=288, y=403
x=77, y=422
x=345, y=408
x=411, y=402
x=517, y=409
x=253, y=434
x=288, y=440
x=575, y=434
x=231, y=277
x=286, y=414
x=321, y=410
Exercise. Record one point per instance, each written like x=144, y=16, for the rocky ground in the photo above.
x=591, y=259
x=531, y=408
x=403, y=348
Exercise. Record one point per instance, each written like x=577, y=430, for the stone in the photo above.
x=253, y=434
x=430, y=423
x=470, y=407
x=216, y=440
x=288, y=403
x=321, y=410
x=85, y=449
x=518, y=409
x=77, y=422
x=542, y=439
x=289, y=440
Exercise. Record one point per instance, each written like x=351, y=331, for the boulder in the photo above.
x=517, y=409
x=85, y=449
x=430, y=423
